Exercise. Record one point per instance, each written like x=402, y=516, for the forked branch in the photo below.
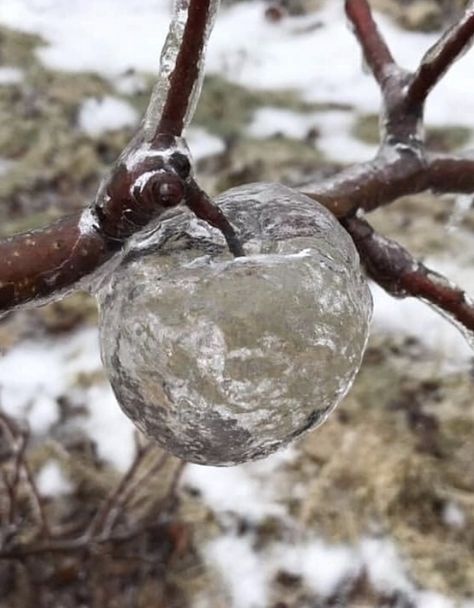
x=112, y=525
x=440, y=57
x=154, y=173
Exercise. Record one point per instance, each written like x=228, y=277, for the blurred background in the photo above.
x=375, y=508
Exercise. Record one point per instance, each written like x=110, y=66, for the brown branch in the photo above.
x=127, y=492
x=99, y=522
x=371, y=185
x=167, y=502
x=18, y=438
x=376, y=52
x=440, y=57
x=393, y=268
x=71, y=545
x=203, y=207
x=48, y=261
x=451, y=174
x=37, y=501
x=100, y=532
x=383, y=180
x=187, y=69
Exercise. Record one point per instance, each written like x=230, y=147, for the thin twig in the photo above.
x=394, y=268
x=37, y=501
x=186, y=72
x=440, y=57
x=376, y=52
x=203, y=207
x=128, y=491
x=18, y=438
x=98, y=523
x=82, y=543
x=167, y=502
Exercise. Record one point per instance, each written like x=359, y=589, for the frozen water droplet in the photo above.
x=225, y=360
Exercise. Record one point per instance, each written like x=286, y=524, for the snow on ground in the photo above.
x=247, y=572
x=5, y=166
x=10, y=76
x=33, y=375
x=333, y=128
x=453, y=515
x=112, y=36
x=51, y=480
x=242, y=571
x=203, y=144
x=97, y=116
x=242, y=490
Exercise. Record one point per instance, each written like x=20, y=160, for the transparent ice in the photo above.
x=168, y=58
x=225, y=360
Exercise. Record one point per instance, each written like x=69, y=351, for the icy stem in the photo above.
x=168, y=59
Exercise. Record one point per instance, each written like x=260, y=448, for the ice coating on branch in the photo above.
x=168, y=59
x=225, y=360
x=435, y=52
x=467, y=333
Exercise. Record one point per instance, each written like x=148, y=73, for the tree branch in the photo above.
x=393, y=268
x=203, y=207
x=154, y=174
x=451, y=174
x=186, y=74
x=376, y=52
x=370, y=185
x=379, y=182
x=440, y=57
x=40, y=264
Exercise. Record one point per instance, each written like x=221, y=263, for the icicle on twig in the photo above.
x=178, y=87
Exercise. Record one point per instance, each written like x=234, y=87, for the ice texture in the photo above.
x=225, y=360
x=168, y=59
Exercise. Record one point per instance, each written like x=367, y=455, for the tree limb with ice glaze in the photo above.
x=154, y=173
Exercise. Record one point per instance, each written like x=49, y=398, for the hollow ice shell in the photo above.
x=224, y=360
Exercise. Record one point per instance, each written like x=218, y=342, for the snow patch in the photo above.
x=430, y=599
x=203, y=144
x=10, y=75
x=97, y=116
x=108, y=426
x=42, y=414
x=453, y=516
x=130, y=83
x=241, y=570
x=51, y=480
x=5, y=166
x=34, y=375
x=323, y=567
x=233, y=491
x=333, y=131
x=385, y=568
x=266, y=55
